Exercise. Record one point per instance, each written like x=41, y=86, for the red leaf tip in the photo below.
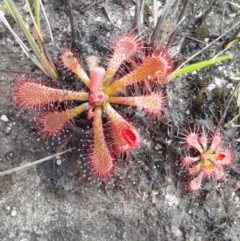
x=129, y=135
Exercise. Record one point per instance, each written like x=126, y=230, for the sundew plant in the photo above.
x=135, y=62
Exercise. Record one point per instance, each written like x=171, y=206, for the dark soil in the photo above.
x=147, y=200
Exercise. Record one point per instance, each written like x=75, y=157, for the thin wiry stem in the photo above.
x=36, y=21
x=46, y=19
x=171, y=22
x=139, y=12
x=180, y=18
x=69, y=4
x=17, y=169
x=225, y=111
x=154, y=13
x=141, y=16
x=161, y=20
x=136, y=15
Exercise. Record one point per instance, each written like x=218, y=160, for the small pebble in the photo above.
x=211, y=87
x=98, y=19
x=158, y=147
x=13, y=213
x=4, y=118
x=206, y=40
x=219, y=82
x=132, y=11
x=230, y=86
x=119, y=23
x=194, y=72
x=59, y=162
x=150, y=19
x=8, y=130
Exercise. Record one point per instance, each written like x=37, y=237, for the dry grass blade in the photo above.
x=43, y=59
x=25, y=49
x=17, y=169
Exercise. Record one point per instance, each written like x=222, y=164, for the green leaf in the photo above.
x=199, y=65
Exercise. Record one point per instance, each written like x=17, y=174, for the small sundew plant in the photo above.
x=103, y=89
x=211, y=160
